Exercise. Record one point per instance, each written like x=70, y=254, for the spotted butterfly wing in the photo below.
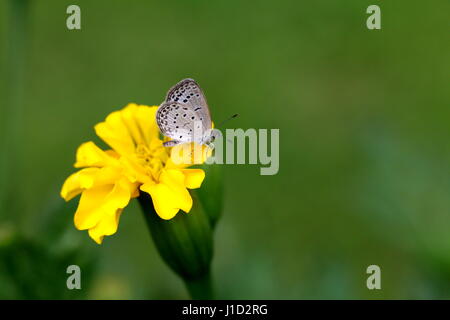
x=176, y=121
x=185, y=106
x=189, y=94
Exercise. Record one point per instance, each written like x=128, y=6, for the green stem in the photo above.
x=200, y=288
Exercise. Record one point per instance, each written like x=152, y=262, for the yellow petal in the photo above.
x=77, y=182
x=106, y=227
x=87, y=178
x=170, y=194
x=145, y=118
x=129, y=121
x=193, y=178
x=133, y=170
x=140, y=123
x=185, y=155
x=89, y=155
x=165, y=205
x=100, y=202
x=116, y=134
x=89, y=211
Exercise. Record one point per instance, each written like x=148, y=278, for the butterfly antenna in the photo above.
x=226, y=120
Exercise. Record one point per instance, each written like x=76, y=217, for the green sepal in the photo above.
x=211, y=192
x=184, y=242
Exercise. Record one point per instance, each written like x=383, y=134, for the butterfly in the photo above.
x=185, y=112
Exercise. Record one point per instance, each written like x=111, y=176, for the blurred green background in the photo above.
x=364, y=143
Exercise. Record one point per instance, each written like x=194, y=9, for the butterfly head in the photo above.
x=210, y=136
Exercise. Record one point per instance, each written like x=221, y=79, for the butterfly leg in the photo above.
x=171, y=143
x=210, y=145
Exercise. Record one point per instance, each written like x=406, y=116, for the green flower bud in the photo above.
x=211, y=192
x=185, y=243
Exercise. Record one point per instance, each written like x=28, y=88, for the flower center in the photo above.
x=152, y=159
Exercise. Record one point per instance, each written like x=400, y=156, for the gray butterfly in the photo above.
x=184, y=112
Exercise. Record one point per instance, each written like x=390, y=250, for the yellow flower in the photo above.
x=138, y=162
